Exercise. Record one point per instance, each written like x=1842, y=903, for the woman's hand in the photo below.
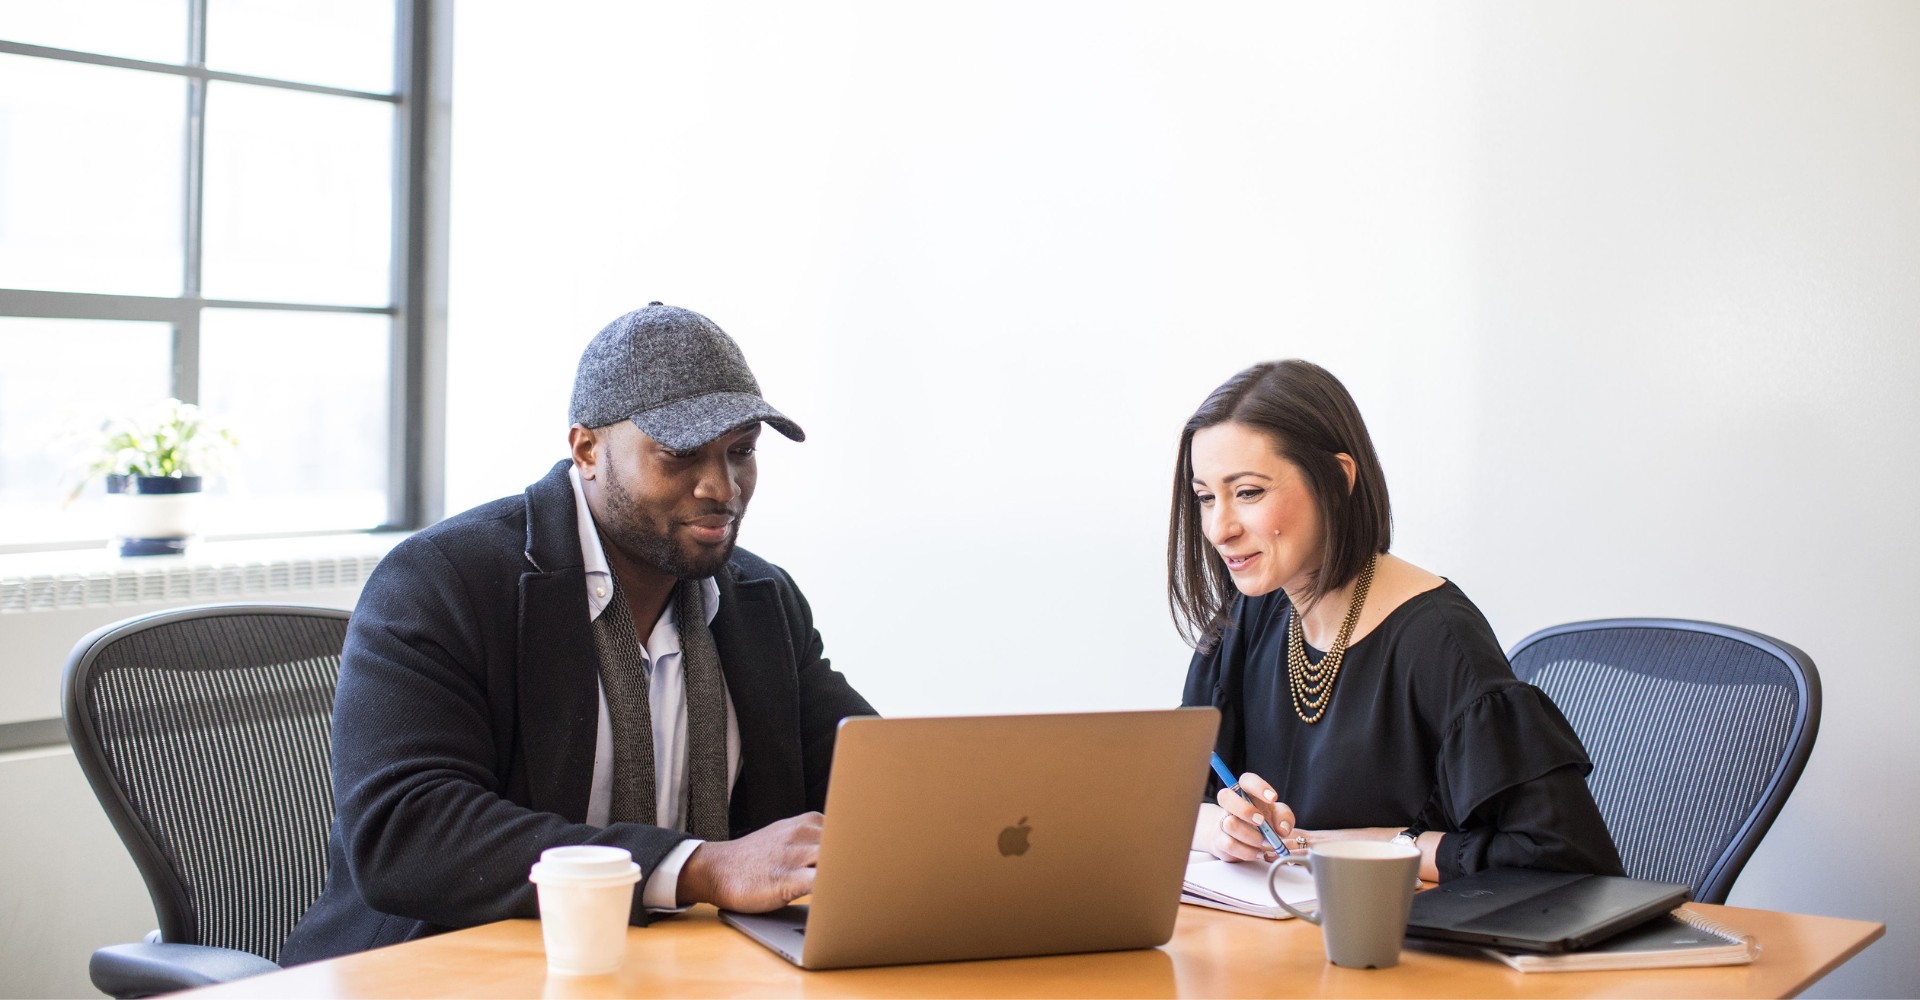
x=1236, y=835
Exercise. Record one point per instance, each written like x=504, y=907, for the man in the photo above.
x=593, y=662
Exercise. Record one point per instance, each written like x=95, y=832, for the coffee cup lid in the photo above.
x=584, y=861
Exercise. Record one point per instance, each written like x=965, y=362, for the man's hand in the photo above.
x=762, y=871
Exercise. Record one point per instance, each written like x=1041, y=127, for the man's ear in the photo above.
x=1353, y=468
x=584, y=445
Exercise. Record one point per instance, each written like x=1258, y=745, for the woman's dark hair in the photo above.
x=1310, y=418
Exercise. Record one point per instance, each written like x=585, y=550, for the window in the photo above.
x=241, y=204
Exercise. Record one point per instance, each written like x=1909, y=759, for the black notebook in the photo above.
x=1517, y=909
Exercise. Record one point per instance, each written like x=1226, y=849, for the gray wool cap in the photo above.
x=675, y=374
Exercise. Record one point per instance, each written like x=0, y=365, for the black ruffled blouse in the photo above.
x=1426, y=721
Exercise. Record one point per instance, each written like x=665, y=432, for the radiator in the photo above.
x=49, y=600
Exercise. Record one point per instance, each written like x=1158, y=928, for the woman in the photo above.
x=1410, y=723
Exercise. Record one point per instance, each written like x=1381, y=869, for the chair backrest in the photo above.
x=1697, y=731
x=205, y=734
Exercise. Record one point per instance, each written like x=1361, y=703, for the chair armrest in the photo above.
x=143, y=970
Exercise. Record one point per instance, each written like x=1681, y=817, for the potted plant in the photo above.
x=155, y=466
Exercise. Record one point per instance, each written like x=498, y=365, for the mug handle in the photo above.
x=1304, y=861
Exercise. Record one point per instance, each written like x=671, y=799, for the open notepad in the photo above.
x=1241, y=886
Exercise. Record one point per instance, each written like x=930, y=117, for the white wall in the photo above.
x=71, y=886
x=1627, y=292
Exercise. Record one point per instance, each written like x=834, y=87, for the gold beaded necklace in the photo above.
x=1312, y=684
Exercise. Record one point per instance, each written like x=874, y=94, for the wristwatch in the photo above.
x=1410, y=836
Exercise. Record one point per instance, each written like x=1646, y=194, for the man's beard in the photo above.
x=630, y=529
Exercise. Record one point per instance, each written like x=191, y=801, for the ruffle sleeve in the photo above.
x=1504, y=737
x=1512, y=790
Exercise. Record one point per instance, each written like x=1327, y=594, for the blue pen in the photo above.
x=1227, y=779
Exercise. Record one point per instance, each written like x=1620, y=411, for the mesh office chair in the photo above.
x=1698, y=732
x=205, y=734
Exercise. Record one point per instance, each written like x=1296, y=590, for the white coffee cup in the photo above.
x=1366, y=890
x=586, y=898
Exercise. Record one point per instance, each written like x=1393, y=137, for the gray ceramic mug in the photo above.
x=1365, y=889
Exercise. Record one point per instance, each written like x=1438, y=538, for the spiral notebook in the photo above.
x=1679, y=939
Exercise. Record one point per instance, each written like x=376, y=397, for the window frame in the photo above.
x=417, y=306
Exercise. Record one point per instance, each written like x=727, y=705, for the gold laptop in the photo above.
x=996, y=836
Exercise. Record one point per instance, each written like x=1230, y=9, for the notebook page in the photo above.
x=1243, y=885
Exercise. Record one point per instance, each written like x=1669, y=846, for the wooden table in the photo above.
x=1212, y=954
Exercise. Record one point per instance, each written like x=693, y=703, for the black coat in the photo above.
x=464, y=724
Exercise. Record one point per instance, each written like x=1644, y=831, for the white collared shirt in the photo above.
x=667, y=699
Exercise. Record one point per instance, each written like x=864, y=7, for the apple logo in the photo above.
x=1013, y=839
